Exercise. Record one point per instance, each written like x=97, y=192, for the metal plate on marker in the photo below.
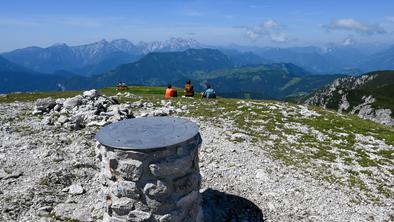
x=147, y=133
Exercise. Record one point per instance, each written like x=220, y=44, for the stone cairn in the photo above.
x=150, y=170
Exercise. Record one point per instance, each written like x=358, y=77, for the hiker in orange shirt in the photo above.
x=170, y=92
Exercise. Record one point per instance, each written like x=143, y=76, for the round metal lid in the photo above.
x=147, y=133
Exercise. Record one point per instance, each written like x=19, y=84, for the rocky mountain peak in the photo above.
x=172, y=44
x=91, y=50
x=125, y=46
x=368, y=96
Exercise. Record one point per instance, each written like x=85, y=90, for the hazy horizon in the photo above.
x=248, y=23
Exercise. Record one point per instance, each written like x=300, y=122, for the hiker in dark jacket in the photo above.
x=189, y=89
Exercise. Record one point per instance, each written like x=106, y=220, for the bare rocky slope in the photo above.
x=295, y=163
x=369, y=96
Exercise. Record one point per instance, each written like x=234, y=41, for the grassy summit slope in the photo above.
x=339, y=149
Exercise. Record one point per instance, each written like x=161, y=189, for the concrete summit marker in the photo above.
x=150, y=170
x=147, y=133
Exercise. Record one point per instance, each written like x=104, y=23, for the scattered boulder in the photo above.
x=163, y=111
x=72, y=102
x=75, y=189
x=62, y=119
x=91, y=94
x=139, y=216
x=240, y=136
x=127, y=95
x=44, y=211
x=60, y=101
x=44, y=105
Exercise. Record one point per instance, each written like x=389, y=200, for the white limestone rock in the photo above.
x=91, y=93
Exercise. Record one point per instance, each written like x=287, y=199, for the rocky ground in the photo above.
x=293, y=162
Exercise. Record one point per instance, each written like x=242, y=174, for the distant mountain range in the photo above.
x=15, y=78
x=230, y=79
x=94, y=58
x=329, y=60
x=383, y=60
x=166, y=67
x=103, y=56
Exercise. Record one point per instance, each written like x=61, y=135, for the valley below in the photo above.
x=294, y=162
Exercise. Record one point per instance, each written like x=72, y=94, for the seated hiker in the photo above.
x=170, y=92
x=189, y=89
x=208, y=92
x=121, y=86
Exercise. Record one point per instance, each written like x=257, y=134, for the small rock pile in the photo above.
x=88, y=109
x=149, y=109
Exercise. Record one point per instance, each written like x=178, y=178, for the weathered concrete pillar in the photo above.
x=150, y=168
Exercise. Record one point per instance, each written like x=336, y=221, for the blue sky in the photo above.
x=219, y=22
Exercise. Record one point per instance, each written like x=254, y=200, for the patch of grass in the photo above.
x=352, y=172
x=389, y=154
x=44, y=182
x=364, y=160
x=384, y=191
x=366, y=172
x=356, y=182
x=7, y=170
x=139, y=90
x=355, y=201
x=324, y=154
x=24, y=130
x=53, y=215
x=348, y=160
x=349, y=123
x=332, y=179
x=26, y=97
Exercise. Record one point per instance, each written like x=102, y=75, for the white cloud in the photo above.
x=252, y=35
x=269, y=28
x=280, y=37
x=270, y=24
x=349, y=24
x=348, y=41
